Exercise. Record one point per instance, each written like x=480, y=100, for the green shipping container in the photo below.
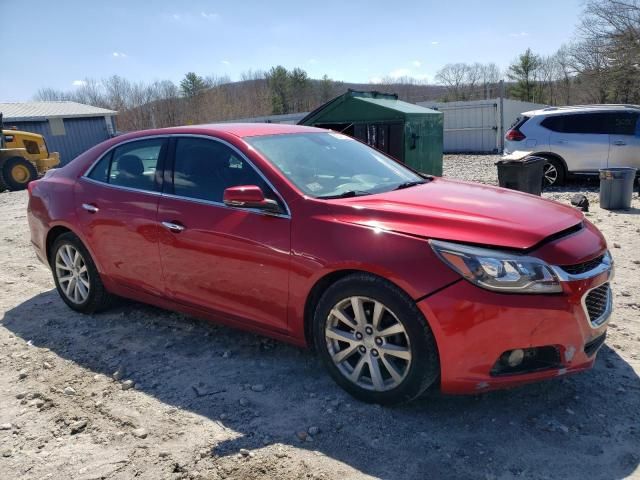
x=407, y=132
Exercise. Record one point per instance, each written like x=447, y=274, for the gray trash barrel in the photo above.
x=616, y=187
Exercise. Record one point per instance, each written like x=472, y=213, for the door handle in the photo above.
x=173, y=227
x=619, y=142
x=90, y=208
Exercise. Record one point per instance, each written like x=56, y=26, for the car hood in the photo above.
x=463, y=212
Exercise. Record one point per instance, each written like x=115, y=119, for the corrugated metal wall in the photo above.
x=80, y=135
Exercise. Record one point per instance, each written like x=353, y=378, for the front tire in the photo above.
x=374, y=340
x=76, y=276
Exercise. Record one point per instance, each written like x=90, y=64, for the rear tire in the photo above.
x=17, y=172
x=554, y=172
x=76, y=276
x=390, y=360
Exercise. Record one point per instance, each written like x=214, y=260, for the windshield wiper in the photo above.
x=347, y=194
x=410, y=184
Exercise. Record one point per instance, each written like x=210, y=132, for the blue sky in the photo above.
x=58, y=43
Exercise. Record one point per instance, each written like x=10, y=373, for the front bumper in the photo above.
x=44, y=164
x=473, y=327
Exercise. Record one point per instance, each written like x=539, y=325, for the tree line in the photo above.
x=600, y=65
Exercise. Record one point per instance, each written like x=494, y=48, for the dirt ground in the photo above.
x=141, y=392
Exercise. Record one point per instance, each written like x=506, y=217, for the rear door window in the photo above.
x=584, y=123
x=134, y=165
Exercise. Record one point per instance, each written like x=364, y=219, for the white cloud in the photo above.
x=176, y=16
x=209, y=16
x=225, y=62
x=375, y=80
x=119, y=55
x=78, y=83
x=435, y=42
x=519, y=34
x=400, y=72
x=416, y=63
x=312, y=61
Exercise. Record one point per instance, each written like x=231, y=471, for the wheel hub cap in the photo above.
x=72, y=274
x=20, y=173
x=368, y=343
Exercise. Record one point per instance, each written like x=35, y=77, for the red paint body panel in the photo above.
x=230, y=261
x=256, y=271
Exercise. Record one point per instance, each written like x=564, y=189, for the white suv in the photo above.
x=578, y=140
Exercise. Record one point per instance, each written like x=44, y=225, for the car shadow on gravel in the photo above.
x=585, y=426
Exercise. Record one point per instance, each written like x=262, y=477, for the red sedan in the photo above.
x=398, y=280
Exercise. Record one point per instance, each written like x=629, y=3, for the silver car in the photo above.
x=578, y=140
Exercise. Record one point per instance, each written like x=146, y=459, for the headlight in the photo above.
x=498, y=271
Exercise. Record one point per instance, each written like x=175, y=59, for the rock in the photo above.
x=77, y=427
x=120, y=435
x=69, y=391
x=47, y=366
x=226, y=354
x=22, y=374
x=313, y=431
x=244, y=402
x=223, y=416
x=7, y=453
x=6, y=426
x=616, y=245
x=163, y=454
x=258, y=387
x=245, y=453
x=21, y=395
x=302, y=435
x=127, y=384
x=140, y=433
x=118, y=374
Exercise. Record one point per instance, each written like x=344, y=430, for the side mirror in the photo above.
x=249, y=196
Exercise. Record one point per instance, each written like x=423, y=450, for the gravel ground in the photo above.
x=141, y=392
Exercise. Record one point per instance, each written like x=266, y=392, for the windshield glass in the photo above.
x=330, y=165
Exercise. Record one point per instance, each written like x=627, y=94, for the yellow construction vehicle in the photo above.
x=23, y=157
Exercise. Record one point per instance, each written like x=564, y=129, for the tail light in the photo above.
x=31, y=185
x=515, y=135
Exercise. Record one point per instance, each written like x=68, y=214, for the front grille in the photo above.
x=597, y=304
x=583, y=267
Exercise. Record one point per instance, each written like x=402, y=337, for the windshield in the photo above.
x=332, y=165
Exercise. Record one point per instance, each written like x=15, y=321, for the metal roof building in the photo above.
x=69, y=128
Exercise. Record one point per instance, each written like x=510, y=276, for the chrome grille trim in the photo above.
x=605, y=265
x=598, y=304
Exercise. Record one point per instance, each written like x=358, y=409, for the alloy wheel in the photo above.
x=550, y=174
x=368, y=344
x=72, y=274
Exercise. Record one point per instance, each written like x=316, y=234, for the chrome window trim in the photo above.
x=222, y=204
x=119, y=187
x=605, y=265
x=606, y=315
x=113, y=147
x=88, y=171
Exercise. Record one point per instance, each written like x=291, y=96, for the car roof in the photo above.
x=582, y=109
x=237, y=129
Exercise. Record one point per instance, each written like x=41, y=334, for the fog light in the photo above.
x=515, y=357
